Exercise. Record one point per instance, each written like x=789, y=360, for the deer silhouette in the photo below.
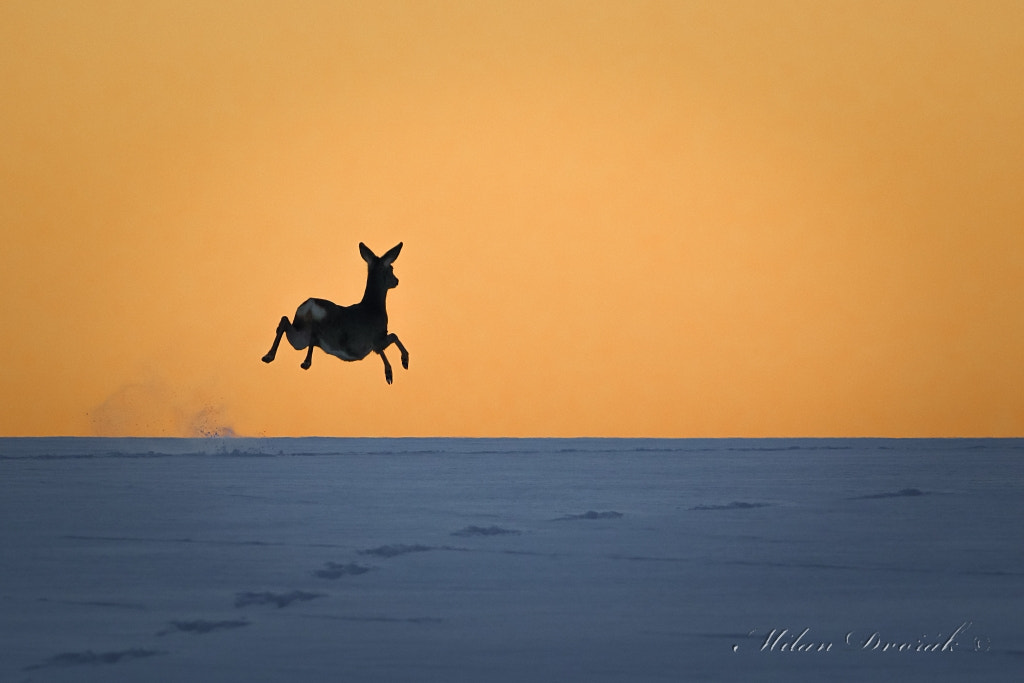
x=348, y=332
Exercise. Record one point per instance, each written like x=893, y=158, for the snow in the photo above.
x=511, y=560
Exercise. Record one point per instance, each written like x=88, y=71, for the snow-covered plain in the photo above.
x=511, y=560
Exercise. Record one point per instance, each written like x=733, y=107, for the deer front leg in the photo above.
x=281, y=327
x=393, y=339
x=387, y=366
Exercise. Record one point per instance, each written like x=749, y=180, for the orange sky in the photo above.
x=620, y=219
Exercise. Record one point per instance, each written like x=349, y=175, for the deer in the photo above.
x=348, y=332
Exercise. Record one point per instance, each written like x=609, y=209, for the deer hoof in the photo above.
x=405, y=362
x=267, y=358
x=305, y=365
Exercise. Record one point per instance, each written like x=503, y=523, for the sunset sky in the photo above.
x=620, y=218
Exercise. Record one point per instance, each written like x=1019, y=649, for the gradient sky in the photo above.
x=620, y=218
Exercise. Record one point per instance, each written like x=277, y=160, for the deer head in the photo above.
x=381, y=273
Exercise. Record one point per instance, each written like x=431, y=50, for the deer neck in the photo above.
x=375, y=295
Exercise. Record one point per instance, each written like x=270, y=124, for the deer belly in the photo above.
x=342, y=351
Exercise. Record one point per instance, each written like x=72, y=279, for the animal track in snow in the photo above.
x=735, y=505
x=201, y=626
x=279, y=599
x=90, y=657
x=397, y=549
x=902, y=493
x=485, y=531
x=335, y=570
x=591, y=514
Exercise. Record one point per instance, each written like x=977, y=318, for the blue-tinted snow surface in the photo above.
x=511, y=560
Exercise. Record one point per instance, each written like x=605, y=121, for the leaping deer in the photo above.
x=348, y=332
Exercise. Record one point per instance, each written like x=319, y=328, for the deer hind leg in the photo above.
x=309, y=356
x=282, y=327
x=299, y=336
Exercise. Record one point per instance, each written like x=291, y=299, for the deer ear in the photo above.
x=365, y=252
x=391, y=254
